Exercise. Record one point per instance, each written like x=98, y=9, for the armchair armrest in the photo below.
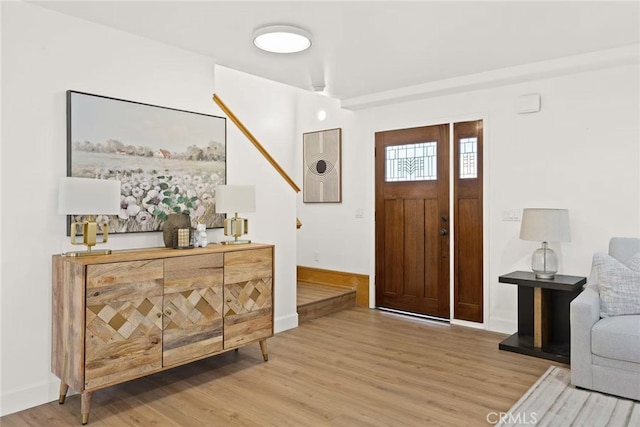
x=584, y=313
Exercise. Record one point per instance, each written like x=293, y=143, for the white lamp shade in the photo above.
x=545, y=225
x=235, y=198
x=88, y=196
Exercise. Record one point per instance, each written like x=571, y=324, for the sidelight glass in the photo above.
x=411, y=162
x=468, y=158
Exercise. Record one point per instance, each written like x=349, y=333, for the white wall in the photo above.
x=580, y=152
x=43, y=55
x=330, y=232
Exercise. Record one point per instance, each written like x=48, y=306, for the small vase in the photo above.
x=174, y=221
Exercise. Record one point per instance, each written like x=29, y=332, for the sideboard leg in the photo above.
x=263, y=348
x=85, y=405
x=63, y=392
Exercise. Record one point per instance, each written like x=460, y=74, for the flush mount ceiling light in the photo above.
x=282, y=39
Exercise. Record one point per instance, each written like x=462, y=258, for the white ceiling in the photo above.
x=364, y=47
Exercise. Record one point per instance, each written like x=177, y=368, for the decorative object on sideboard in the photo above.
x=174, y=222
x=89, y=197
x=234, y=199
x=200, y=237
x=545, y=225
x=322, y=166
x=169, y=161
x=182, y=239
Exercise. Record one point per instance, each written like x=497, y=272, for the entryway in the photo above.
x=414, y=224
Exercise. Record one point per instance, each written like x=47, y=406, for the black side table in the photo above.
x=543, y=315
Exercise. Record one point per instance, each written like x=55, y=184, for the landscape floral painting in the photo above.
x=168, y=160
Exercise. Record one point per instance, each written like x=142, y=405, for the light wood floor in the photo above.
x=357, y=367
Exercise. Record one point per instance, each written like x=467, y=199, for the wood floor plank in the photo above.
x=355, y=367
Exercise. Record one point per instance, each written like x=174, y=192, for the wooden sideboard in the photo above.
x=136, y=312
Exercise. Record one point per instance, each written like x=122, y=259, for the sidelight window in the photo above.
x=468, y=158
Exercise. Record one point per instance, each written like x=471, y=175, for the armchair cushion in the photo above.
x=617, y=338
x=619, y=286
x=634, y=262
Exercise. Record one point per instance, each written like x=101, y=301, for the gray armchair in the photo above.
x=605, y=352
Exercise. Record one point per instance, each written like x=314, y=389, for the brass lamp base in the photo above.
x=89, y=232
x=235, y=227
x=235, y=242
x=87, y=253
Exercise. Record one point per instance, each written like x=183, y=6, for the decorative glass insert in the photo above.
x=468, y=157
x=411, y=162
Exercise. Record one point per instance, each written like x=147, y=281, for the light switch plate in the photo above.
x=511, y=215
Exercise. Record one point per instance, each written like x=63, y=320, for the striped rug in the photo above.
x=553, y=401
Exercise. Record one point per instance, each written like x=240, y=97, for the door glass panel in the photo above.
x=411, y=162
x=468, y=158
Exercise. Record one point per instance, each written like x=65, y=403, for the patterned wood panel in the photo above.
x=123, y=320
x=192, y=307
x=192, y=324
x=248, y=311
x=248, y=295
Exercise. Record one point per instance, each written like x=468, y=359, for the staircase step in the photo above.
x=320, y=300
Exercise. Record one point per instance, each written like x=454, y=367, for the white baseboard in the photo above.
x=282, y=324
x=502, y=325
x=468, y=324
x=29, y=396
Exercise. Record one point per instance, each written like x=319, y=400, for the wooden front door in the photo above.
x=412, y=220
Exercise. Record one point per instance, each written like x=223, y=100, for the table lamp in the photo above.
x=545, y=225
x=90, y=197
x=234, y=199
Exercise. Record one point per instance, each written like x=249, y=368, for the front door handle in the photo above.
x=444, y=231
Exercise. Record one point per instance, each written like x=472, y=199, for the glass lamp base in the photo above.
x=544, y=262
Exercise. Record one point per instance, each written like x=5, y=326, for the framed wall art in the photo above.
x=322, y=158
x=168, y=160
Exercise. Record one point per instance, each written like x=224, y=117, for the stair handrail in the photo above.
x=255, y=142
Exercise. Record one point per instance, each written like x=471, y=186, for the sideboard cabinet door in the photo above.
x=123, y=319
x=192, y=308
x=248, y=296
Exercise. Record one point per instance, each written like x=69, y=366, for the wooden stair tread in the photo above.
x=312, y=292
x=320, y=300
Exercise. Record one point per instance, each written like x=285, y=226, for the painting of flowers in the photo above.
x=168, y=160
